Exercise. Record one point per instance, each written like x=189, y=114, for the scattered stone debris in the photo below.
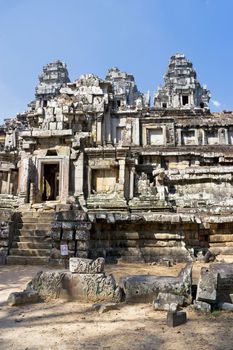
x=80, y=286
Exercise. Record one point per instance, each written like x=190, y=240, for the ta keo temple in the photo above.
x=95, y=166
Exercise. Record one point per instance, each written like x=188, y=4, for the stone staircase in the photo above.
x=32, y=238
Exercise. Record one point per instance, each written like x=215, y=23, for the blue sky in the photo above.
x=138, y=36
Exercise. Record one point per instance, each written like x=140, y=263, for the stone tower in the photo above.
x=181, y=88
x=52, y=78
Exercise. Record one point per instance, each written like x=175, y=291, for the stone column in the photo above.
x=179, y=141
x=131, y=183
x=121, y=176
x=65, y=164
x=23, y=178
x=108, y=136
x=78, y=175
x=99, y=131
x=8, y=181
x=136, y=132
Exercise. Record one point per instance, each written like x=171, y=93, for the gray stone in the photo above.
x=168, y=302
x=97, y=287
x=215, y=283
x=79, y=265
x=146, y=288
x=176, y=318
x=202, y=306
x=225, y=306
x=21, y=298
x=207, y=284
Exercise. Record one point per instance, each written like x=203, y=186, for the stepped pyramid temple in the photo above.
x=93, y=166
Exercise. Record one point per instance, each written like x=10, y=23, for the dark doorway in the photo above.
x=185, y=100
x=50, y=182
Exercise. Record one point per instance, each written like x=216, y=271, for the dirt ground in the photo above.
x=71, y=325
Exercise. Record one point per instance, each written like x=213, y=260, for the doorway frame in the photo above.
x=63, y=162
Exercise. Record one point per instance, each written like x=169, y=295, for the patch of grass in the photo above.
x=216, y=312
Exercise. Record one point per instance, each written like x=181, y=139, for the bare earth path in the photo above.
x=59, y=325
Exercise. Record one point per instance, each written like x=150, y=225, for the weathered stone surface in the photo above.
x=21, y=298
x=207, y=285
x=215, y=283
x=79, y=265
x=176, y=318
x=168, y=301
x=82, y=235
x=146, y=288
x=82, y=287
x=202, y=306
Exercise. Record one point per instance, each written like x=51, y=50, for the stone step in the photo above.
x=36, y=215
x=30, y=252
x=25, y=260
x=38, y=220
x=34, y=233
x=32, y=239
x=30, y=245
x=221, y=238
x=34, y=226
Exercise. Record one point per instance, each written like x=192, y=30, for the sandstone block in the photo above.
x=21, y=298
x=79, y=265
x=207, y=285
x=97, y=287
x=168, y=302
x=145, y=288
x=82, y=235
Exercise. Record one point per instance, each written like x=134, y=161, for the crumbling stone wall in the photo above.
x=71, y=228
x=5, y=234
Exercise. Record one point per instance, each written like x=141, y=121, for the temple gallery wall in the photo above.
x=96, y=165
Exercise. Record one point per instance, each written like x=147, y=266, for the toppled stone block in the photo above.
x=21, y=298
x=84, y=287
x=207, y=285
x=146, y=288
x=168, y=302
x=101, y=308
x=215, y=283
x=176, y=318
x=79, y=265
x=202, y=306
x=225, y=306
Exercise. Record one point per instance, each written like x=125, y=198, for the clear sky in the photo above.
x=138, y=36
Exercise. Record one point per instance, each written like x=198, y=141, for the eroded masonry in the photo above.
x=93, y=165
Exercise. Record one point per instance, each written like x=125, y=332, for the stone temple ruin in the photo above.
x=92, y=167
